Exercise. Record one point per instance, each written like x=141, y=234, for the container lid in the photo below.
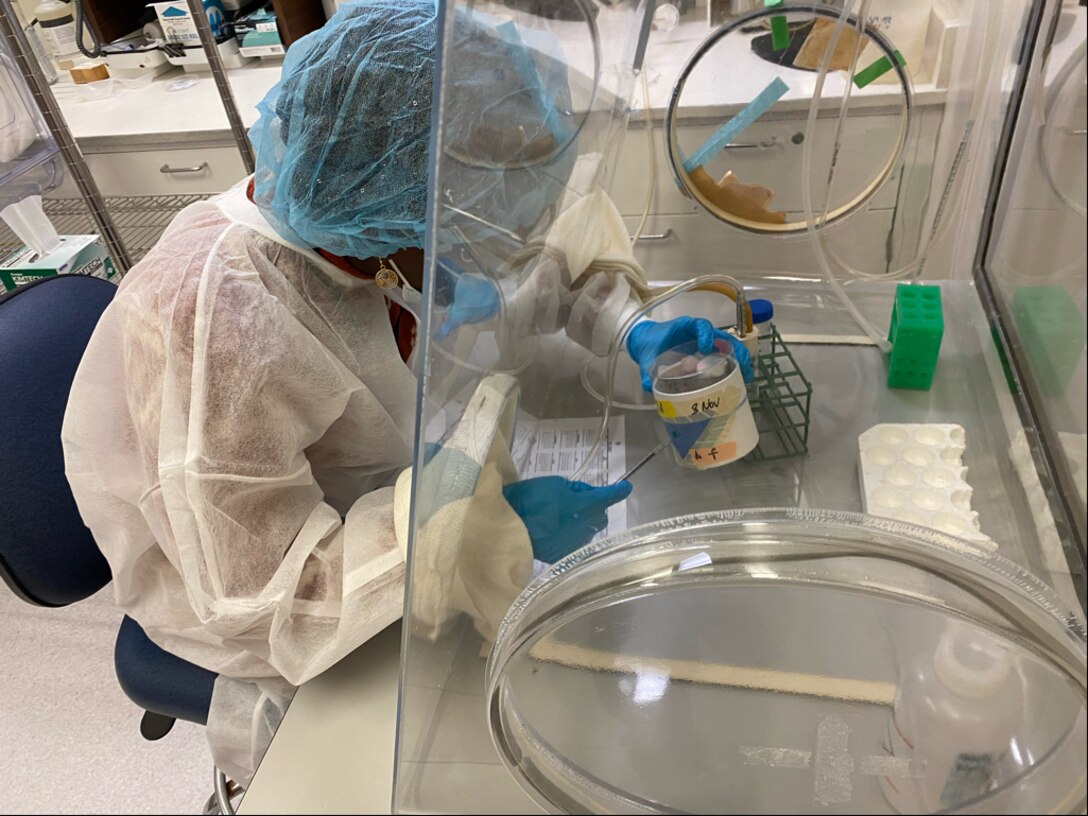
x=762, y=310
x=790, y=661
x=684, y=369
x=970, y=666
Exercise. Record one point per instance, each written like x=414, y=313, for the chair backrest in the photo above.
x=47, y=556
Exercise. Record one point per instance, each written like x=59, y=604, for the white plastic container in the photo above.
x=139, y=58
x=968, y=687
x=703, y=403
x=914, y=472
x=58, y=28
x=41, y=53
x=96, y=91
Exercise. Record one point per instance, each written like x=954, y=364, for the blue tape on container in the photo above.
x=735, y=126
x=527, y=71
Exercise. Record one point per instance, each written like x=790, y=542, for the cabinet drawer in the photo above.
x=140, y=172
x=864, y=150
x=682, y=246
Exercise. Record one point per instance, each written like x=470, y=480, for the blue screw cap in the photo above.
x=762, y=310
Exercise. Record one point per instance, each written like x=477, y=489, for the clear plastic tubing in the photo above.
x=806, y=177
x=712, y=282
x=948, y=200
x=816, y=228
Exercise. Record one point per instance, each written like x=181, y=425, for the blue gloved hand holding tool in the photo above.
x=562, y=515
x=648, y=339
x=475, y=299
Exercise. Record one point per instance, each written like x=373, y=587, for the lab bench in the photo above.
x=334, y=749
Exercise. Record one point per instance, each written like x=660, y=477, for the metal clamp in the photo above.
x=200, y=168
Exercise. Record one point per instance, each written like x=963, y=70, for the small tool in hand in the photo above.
x=644, y=460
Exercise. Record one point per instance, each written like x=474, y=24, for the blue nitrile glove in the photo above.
x=475, y=299
x=429, y=451
x=648, y=339
x=562, y=515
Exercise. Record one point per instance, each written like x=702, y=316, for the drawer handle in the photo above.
x=750, y=145
x=200, y=168
x=661, y=236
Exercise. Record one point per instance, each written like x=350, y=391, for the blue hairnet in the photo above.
x=342, y=140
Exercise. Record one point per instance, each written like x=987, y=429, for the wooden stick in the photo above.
x=873, y=692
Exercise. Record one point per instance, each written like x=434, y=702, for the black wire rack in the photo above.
x=140, y=219
x=781, y=397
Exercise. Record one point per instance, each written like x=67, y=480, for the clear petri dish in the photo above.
x=684, y=369
x=790, y=661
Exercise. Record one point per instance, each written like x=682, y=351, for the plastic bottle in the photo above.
x=762, y=315
x=41, y=54
x=666, y=17
x=58, y=31
x=955, y=716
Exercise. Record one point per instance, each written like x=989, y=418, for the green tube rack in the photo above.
x=915, y=334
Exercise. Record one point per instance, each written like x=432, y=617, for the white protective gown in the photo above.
x=232, y=440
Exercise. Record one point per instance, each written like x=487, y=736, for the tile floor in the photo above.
x=69, y=737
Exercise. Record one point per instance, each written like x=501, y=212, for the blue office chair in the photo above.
x=47, y=556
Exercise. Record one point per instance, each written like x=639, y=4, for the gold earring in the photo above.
x=385, y=277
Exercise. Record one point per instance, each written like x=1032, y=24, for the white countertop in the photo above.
x=153, y=110
x=730, y=75
x=196, y=111
x=333, y=752
x=738, y=76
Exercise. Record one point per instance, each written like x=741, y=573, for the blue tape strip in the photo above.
x=684, y=435
x=735, y=126
x=527, y=71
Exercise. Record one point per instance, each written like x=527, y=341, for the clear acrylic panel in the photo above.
x=29, y=159
x=1036, y=261
x=843, y=151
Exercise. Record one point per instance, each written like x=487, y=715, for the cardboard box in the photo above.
x=76, y=255
x=177, y=23
x=257, y=34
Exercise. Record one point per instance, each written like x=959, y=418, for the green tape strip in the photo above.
x=780, y=28
x=780, y=33
x=876, y=70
